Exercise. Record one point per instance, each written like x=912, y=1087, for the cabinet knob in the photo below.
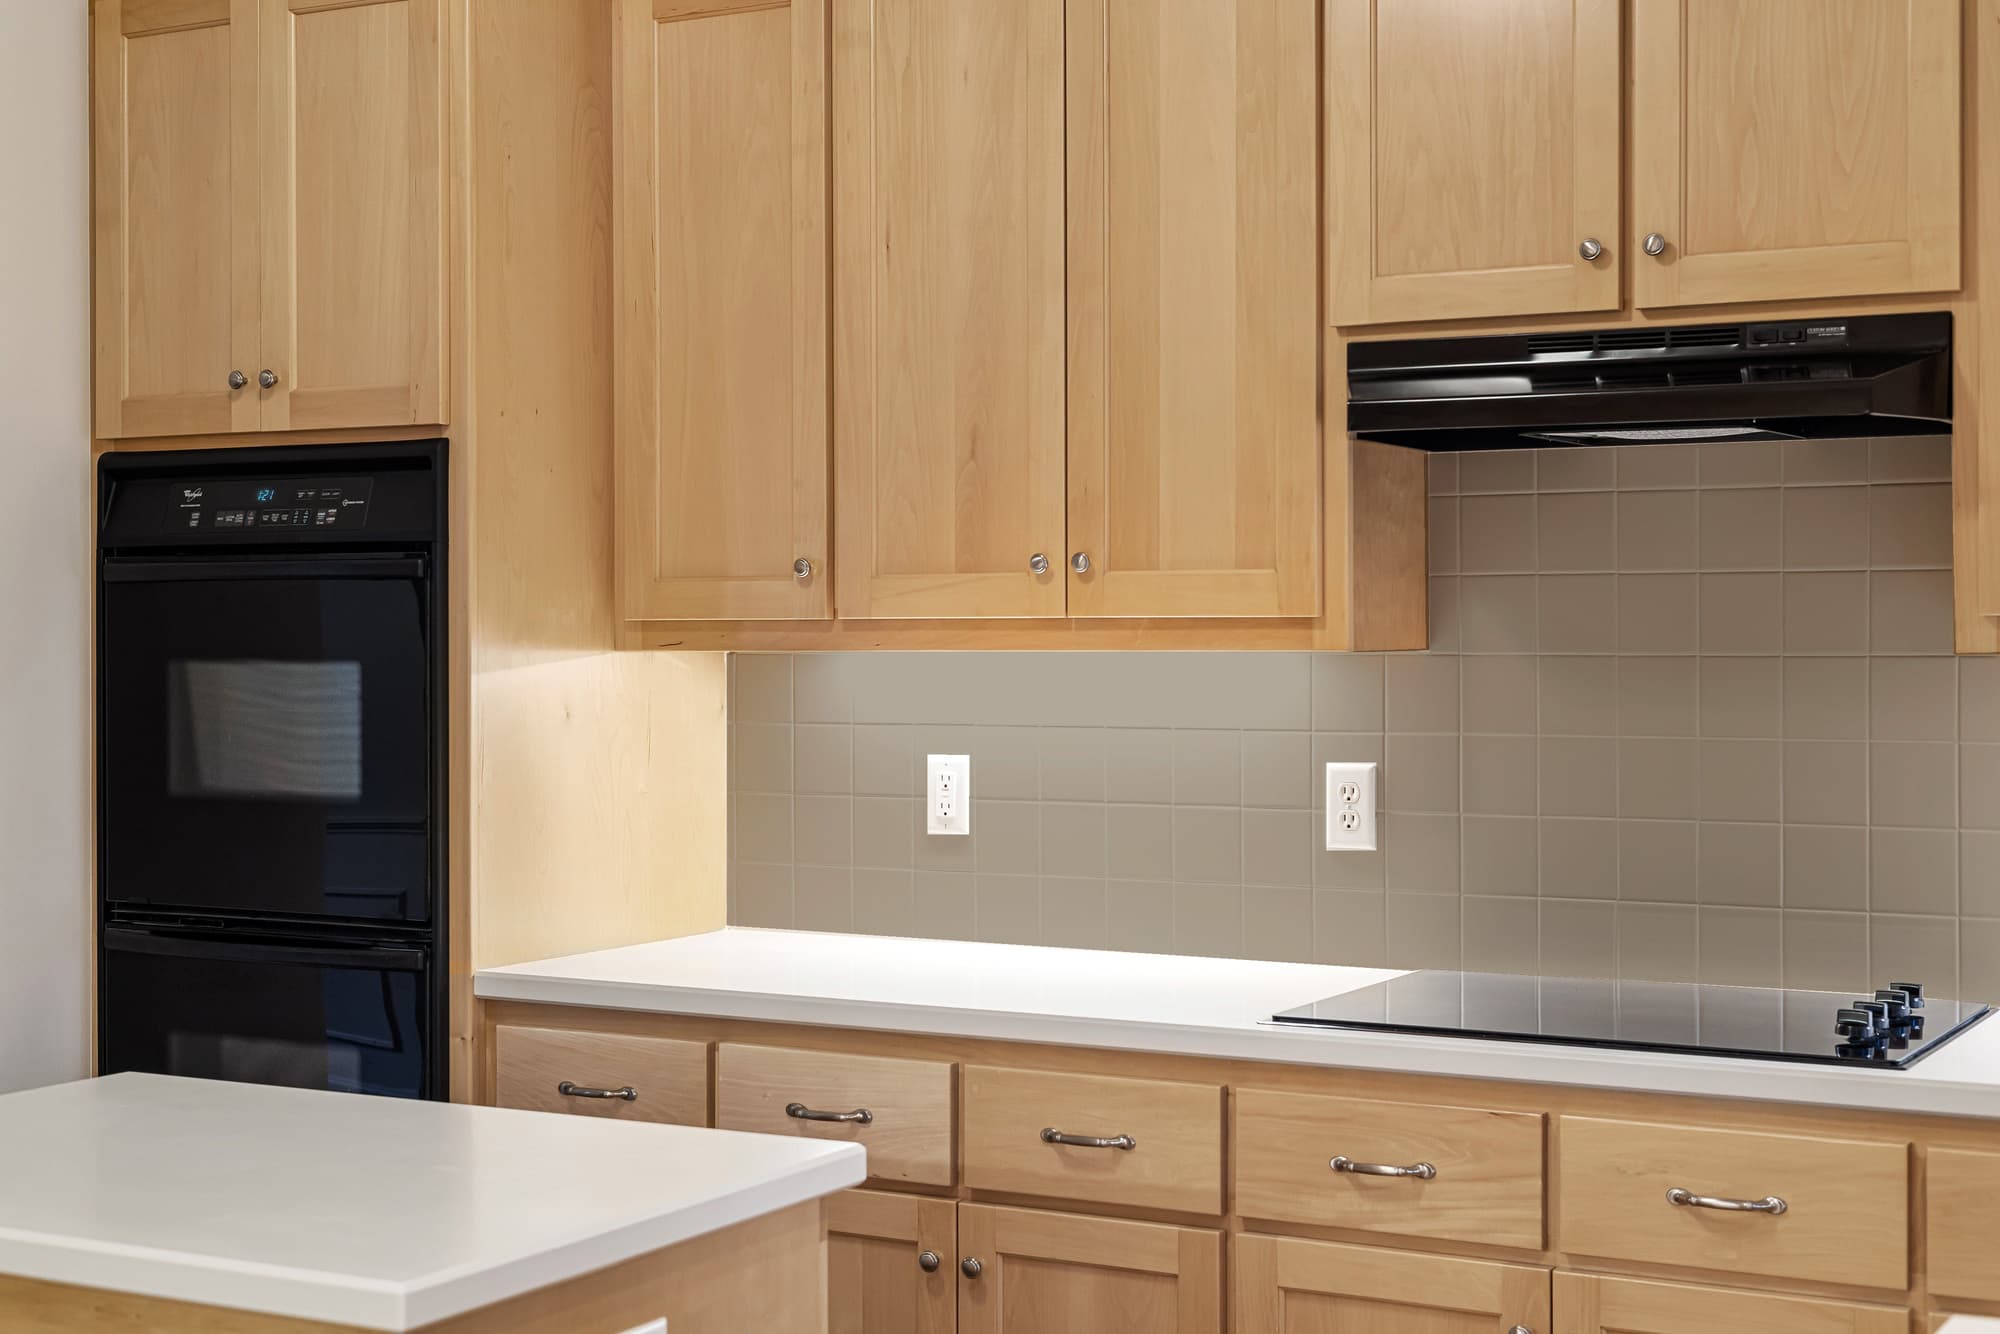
x=1038, y=563
x=1520, y=1329
x=1655, y=244
x=267, y=378
x=928, y=1261
x=802, y=568
x=970, y=1267
x=237, y=379
x=1590, y=248
x=1080, y=562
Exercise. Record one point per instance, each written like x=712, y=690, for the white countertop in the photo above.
x=356, y=1210
x=1170, y=1003
x=1970, y=1324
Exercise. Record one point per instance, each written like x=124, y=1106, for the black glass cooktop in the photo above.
x=1892, y=1027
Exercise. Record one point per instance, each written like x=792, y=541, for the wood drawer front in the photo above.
x=1176, y=1161
x=1488, y=1186
x=1592, y=1304
x=1847, y=1201
x=1964, y=1223
x=668, y=1077
x=908, y=1134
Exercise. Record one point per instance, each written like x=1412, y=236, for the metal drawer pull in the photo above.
x=1050, y=1135
x=569, y=1090
x=798, y=1111
x=1421, y=1171
x=1687, y=1199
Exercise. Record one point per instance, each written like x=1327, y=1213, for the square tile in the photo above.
x=1208, y=768
x=1443, y=614
x=1208, y=920
x=1656, y=942
x=1579, y=696
x=1826, y=951
x=1741, y=463
x=1979, y=874
x=1913, y=871
x=1347, y=692
x=1496, y=613
x=1442, y=535
x=1653, y=467
x=1421, y=853
x=1656, y=613
x=885, y=761
x=1579, y=859
x=823, y=686
x=1139, y=764
x=1826, y=866
x=1741, y=697
x=1424, y=931
x=885, y=902
x=1072, y=763
x=1500, y=855
x=1978, y=792
x=1923, y=948
x=885, y=831
x=1656, y=696
x=1979, y=699
x=1913, y=699
x=1825, y=782
x=1909, y=526
x=1578, y=613
x=1500, y=935
x=1576, y=533
x=763, y=895
x=1579, y=939
x=1277, y=769
x=1442, y=474
x=1073, y=912
x=1499, y=775
x=1826, y=699
x=1909, y=611
x=1579, y=776
x=1740, y=780
x=1742, y=613
x=1498, y=693
x=1914, y=784
x=1826, y=613
x=1496, y=534
x=1420, y=773
x=1139, y=916
x=1010, y=836
x=1278, y=847
x=1741, y=947
x=1915, y=458
x=1496, y=470
x=1073, y=839
x=1422, y=691
x=823, y=758
x=824, y=898
x=1139, y=842
x=1742, y=864
x=1979, y=959
x=1350, y=926
x=763, y=828
x=1656, y=530
x=760, y=687
x=1208, y=845
x=1278, y=924
x=1741, y=530
x=1007, y=763
x=1826, y=528
x=760, y=757
x=1657, y=861
x=1576, y=468
x=1008, y=909
x=1820, y=462
x=1656, y=778
x=946, y=905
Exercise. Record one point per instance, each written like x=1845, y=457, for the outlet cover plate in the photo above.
x=1350, y=806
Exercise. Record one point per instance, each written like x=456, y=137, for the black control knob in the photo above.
x=1878, y=1010
x=1914, y=990
x=1856, y=1025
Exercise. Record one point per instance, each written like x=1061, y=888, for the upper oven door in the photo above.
x=265, y=732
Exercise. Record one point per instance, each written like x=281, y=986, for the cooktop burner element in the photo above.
x=1893, y=1029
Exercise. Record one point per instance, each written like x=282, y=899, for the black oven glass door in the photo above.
x=352, y=1018
x=265, y=737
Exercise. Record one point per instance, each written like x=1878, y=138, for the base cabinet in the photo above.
x=891, y=1264
x=1048, y=1273
x=1592, y=1304
x=1286, y=1286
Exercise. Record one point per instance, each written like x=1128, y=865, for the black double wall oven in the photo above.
x=271, y=766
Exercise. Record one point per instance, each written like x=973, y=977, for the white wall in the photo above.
x=44, y=536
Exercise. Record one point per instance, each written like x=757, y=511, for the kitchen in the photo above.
x=702, y=585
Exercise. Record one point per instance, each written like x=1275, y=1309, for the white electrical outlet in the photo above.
x=1350, y=807
x=949, y=789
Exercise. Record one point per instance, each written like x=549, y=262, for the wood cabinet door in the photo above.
x=1590, y=1304
x=720, y=319
x=174, y=223
x=1286, y=1286
x=1050, y=1273
x=353, y=172
x=1194, y=482
x=875, y=1281
x=1471, y=151
x=1794, y=148
x=948, y=291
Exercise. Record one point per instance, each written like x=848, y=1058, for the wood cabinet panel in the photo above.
x=1487, y=1185
x=948, y=350
x=1174, y=1161
x=875, y=1283
x=1963, y=1223
x=1194, y=482
x=1847, y=1201
x=908, y=1135
x=1589, y=1304
x=668, y=1077
x=1794, y=148
x=1051, y=1273
x=720, y=266
x=1286, y=1286
x=174, y=225
x=353, y=244
x=1471, y=149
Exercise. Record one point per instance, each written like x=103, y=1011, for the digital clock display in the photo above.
x=266, y=494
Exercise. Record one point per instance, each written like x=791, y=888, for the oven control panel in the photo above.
x=293, y=504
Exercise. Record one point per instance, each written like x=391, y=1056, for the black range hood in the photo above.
x=1654, y=384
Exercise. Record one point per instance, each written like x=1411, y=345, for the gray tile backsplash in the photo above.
x=1690, y=712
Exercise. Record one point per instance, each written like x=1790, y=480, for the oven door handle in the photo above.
x=392, y=958
x=149, y=570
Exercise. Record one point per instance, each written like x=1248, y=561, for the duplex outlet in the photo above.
x=1350, y=807
x=948, y=794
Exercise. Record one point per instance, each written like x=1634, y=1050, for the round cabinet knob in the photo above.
x=802, y=568
x=267, y=378
x=970, y=1267
x=237, y=379
x=1655, y=244
x=1520, y=1329
x=928, y=1261
x=1038, y=563
x=1080, y=562
x=1590, y=248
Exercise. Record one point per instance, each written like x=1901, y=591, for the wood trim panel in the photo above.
x=909, y=1137
x=141, y=18
x=1393, y=1292
x=670, y=11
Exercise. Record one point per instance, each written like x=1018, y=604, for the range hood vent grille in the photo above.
x=1637, y=340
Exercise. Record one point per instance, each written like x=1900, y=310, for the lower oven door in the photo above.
x=351, y=1016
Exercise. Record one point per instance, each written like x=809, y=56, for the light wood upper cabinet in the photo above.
x=353, y=213
x=1287, y=1286
x=1794, y=148
x=269, y=205
x=1471, y=151
x=175, y=216
x=948, y=347
x=1194, y=481
x=1050, y=1273
x=876, y=1282
x=720, y=270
